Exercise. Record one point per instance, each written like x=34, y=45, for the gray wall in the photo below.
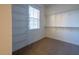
x=60, y=8
x=22, y=36
x=65, y=25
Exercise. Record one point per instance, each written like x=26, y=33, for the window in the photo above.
x=34, y=18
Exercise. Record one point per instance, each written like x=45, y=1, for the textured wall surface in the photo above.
x=22, y=36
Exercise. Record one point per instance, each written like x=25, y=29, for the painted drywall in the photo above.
x=35, y=35
x=5, y=30
x=60, y=8
x=22, y=35
x=65, y=19
x=70, y=35
x=62, y=23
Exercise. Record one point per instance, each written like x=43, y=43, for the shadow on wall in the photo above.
x=22, y=34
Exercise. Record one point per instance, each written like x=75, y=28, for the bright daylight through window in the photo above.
x=34, y=18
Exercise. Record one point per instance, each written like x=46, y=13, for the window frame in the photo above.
x=34, y=14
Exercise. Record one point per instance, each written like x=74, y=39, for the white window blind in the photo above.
x=34, y=18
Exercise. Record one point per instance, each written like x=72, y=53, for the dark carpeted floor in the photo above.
x=49, y=46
